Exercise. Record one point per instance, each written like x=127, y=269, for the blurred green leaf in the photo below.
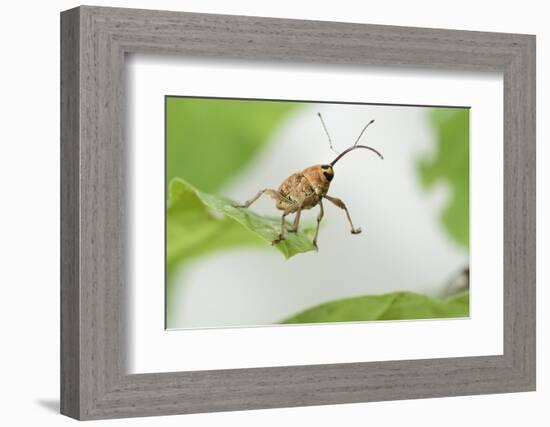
x=391, y=306
x=209, y=141
x=198, y=223
x=451, y=165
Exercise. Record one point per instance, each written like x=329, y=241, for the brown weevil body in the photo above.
x=308, y=188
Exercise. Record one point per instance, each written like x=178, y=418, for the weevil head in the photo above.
x=328, y=172
x=319, y=176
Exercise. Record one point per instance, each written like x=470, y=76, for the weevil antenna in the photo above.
x=361, y=134
x=326, y=131
x=353, y=147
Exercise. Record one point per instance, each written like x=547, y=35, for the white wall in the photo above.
x=29, y=229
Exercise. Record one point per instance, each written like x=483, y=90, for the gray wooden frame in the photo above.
x=94, y=41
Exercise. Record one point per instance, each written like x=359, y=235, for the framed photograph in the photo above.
x=262, y=213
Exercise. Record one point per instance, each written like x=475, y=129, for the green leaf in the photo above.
x=451, y=165
x=209, y=141
x=199, y=223
x=391, y=306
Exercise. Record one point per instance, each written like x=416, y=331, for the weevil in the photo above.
x=307, y=189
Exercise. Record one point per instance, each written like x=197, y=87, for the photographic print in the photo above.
x=301, y=212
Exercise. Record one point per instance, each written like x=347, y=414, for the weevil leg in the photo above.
x=281, y=236
x=319, y=218
x=342, y=205
x=274, y=194
x=296, y=223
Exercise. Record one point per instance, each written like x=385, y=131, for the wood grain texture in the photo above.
x=70, y=291
x=95, y=275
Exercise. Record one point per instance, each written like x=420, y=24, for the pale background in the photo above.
x=30, y=230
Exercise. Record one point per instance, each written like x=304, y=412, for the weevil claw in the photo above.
x=277, y=240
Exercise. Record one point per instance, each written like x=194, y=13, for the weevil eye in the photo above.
x=328, y=176
x=328, y=172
